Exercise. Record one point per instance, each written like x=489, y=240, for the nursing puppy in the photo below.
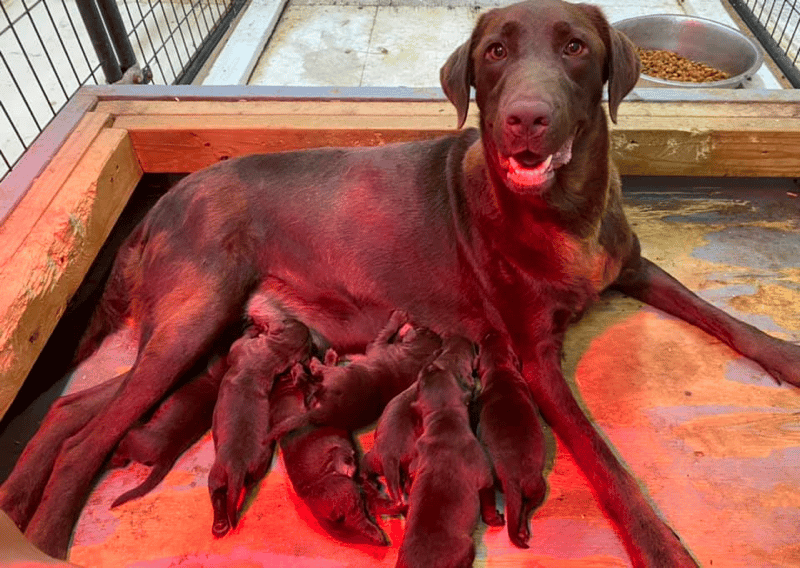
x=395, y=445
x=179, y=422
x=354, y=395
x=241, y=415
x=321, y=463
x=452, y=477
x=510, y=430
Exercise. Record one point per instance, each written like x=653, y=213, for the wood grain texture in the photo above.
x=713, y=138
x=45, y=269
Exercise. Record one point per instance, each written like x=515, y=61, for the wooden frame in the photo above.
x=59, y=203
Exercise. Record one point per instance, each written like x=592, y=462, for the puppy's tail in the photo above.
x=289, y=425
x=114, y=305
x=159, y=472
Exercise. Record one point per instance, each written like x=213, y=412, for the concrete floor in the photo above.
x=391, y=43
x=712, y=438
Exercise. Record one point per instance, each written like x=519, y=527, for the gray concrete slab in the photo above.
x=404, y=42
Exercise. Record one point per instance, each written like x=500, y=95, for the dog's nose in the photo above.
x=528, y=118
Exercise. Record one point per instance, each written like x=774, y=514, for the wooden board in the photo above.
x=667, y=138
x=57, y=230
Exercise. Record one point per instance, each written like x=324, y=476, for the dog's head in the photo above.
x=538, y=69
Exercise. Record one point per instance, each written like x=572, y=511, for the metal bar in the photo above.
x=16, y=83
x=61, y=43
x=196, y=63
x=80, y=44
x=28, y=11
x=161, y=38
x=178, y=24
x=100, y=40
x=14, y=128
x=782, y=60
x=116, y=28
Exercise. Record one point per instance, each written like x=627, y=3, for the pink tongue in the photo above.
x=529, y=177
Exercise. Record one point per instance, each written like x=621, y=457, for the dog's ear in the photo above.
x=456, y=79
x=622, y=65
x=623, y=70
x=457, y=75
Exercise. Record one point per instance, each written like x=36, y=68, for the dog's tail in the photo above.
x=114, y=305
x=159, y=472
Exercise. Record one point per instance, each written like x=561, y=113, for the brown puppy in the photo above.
x=353, y=396
x=510, y=430
x=452, y=477
x=517, y=226
x=179, y=422
x=395, y=445
x=241, y=415
x=321, y=463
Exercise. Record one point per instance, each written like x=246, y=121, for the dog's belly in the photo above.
x=349, y=317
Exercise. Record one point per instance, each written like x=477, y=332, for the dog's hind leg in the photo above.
x=21, y=492
x=645, y=281
x=650, y=542
x=191, y=316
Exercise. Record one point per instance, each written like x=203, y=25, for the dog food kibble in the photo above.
x=673, y=67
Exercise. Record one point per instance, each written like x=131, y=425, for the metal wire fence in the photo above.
x=49, y=48
x=776, y=24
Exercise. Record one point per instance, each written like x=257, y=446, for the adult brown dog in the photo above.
x=515, y=227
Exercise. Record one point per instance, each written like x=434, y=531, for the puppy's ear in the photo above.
x=458, y=75
x=622, y=65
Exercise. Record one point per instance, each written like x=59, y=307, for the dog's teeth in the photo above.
x=546, y=164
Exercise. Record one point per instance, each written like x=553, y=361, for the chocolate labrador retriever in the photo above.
x=452, y=483
x=394, y=448
x=179, y=422
x=516, y=447
x=241, y=415
x=322, y=465
x=353, y=396
x=517, y=226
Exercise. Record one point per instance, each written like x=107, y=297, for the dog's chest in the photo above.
x=586, y=260
x=558, y=280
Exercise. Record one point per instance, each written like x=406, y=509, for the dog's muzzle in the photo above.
x=525, y=176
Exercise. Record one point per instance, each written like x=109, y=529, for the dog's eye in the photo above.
x=574, y=47
x=496, y=52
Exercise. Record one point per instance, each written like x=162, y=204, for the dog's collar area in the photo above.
x=526, y=174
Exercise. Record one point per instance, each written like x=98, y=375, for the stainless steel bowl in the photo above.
x=698, y=39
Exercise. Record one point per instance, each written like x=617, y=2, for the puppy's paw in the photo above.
x=226, y=487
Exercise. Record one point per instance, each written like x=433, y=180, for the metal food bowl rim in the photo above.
x=734, y=81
